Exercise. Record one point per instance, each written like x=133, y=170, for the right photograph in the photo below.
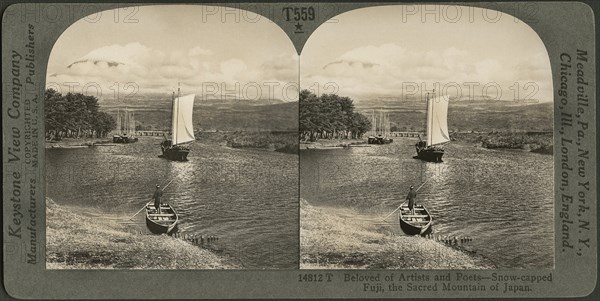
x=426, y=142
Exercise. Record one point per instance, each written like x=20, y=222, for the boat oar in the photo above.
x=421, y=185
x=140, y=210
x=392, y=212
x=401, y=204
x=167, y=185
x=150, y=201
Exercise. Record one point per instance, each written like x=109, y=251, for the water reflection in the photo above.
x=475, y=192
x=247, y=198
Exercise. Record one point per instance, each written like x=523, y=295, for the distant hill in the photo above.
x=220, y=116
x=152, y=99
x=153, y=111
x=477, y=115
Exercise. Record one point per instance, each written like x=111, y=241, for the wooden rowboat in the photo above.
x=415, y=224
x=165, y=222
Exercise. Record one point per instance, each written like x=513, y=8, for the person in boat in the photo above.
x=421, y=144
x=412, y=195
x=157, y=198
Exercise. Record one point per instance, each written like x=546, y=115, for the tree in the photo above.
x=329, y=116
x=75, y=115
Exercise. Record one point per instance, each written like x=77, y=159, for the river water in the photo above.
x=502, y=199
x=247, y=198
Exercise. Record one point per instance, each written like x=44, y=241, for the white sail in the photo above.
x=182, y=125
x=437, y=120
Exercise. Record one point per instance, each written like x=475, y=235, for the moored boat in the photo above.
x=418, y=223
x=380, y=130
x=379, y=139
x=124, y=139
x=163, y=222
x=125, y=133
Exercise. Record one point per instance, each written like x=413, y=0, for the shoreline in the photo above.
x=96, y=240
x=283, y=142
x=333, y=144
x=337, y=238
x=78, y=142
x=534, y=142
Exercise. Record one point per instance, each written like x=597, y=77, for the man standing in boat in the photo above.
x=157, y=198
x=412, y=195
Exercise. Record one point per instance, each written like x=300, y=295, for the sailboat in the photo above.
x=437, y=130
x=381, y=129
x=182, y=130
x=126, y=134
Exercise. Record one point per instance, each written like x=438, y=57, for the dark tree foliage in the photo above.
x=329, y=116
x=75, y=116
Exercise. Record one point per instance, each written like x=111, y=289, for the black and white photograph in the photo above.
x=299, y=150
x=427, y=143
x=171, y=142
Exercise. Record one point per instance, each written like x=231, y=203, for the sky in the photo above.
x=377, y=52
x=388, y=51
x=210, y=54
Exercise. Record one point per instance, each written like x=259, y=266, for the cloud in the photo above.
x=157, y=71
x=534, y=68
x=283, y=67
x=129, y=54
x=380, y=71
x=232, y=68
x=489, y=70
x=198, y=51
x=350, y=63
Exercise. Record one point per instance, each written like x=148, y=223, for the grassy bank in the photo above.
x=339, y=239
x=330, y=143
x=78, y=240
x=533, y=142
x=286, y=142
x=77, y=142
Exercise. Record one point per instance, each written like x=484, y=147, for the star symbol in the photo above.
x=298, y=26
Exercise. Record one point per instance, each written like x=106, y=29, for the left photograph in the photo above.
x=171, y=141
